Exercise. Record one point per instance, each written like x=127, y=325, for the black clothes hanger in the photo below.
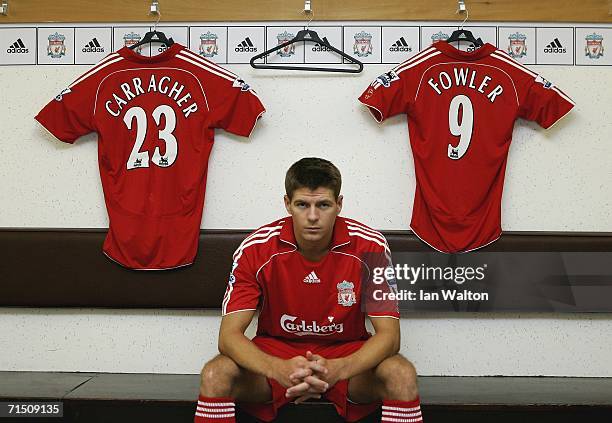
x=149, y=37
x=312, y=36
x=462, y=34
x=154, y=36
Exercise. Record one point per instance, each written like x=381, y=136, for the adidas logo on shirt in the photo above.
x=400, y=45
x=555, y=47
x=93, y=47
x=245, y=46
x=312, y=278
x=17, y=47
x=319, y=47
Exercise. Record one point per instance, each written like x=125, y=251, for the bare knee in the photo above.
x=218, y=377
x=398, y=377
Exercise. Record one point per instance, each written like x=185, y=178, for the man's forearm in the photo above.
x=246, y=354
x=373, y=351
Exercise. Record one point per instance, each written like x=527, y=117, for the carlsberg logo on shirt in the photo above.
x=301, y=328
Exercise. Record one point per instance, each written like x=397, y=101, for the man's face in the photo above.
x=314, y=213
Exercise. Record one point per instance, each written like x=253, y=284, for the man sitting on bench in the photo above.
x=305, y=274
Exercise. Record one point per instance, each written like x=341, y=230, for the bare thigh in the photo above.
x=365, y=388
x=251, y=387
x=393, y=378
x=247, y=386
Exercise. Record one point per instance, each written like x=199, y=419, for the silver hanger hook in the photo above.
x=308, y=11
x=467, y=15
x=461, y=7
x=310, y=20
x=157, y=20
x=154, y=10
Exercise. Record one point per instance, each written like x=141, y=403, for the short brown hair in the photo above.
x=313, y=173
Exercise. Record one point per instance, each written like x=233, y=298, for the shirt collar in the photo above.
x=167, y=54
x=450, y=51
x=340, y=235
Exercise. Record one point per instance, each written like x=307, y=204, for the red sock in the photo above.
x=402, y=411
x=215, y=410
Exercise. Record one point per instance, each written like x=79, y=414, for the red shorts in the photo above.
x=338, y=394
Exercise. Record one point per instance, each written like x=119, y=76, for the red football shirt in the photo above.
x=300, y=299
x=461, y=108
x=155, y=118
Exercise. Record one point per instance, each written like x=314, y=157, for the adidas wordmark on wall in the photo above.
x=245, y=46
x=18, y=47
x=93, y=47
x=400, y=45
x=319, y=47
x=555, y=47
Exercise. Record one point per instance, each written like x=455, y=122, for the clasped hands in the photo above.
x=309, y=377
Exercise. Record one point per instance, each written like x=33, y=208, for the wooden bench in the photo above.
x=65, y=268
x=103, y=397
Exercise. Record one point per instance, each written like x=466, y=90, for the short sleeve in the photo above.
x=234, y=107
x=380, y=285
x=388, y=95
x=70, y=114
x=541, y=101
x=243, y=291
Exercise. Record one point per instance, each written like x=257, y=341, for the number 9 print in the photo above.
x=462, y=130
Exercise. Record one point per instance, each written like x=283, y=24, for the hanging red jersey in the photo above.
x=155, y=118
x=461, y=109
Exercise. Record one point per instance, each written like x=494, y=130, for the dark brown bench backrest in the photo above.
x=66, y=268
